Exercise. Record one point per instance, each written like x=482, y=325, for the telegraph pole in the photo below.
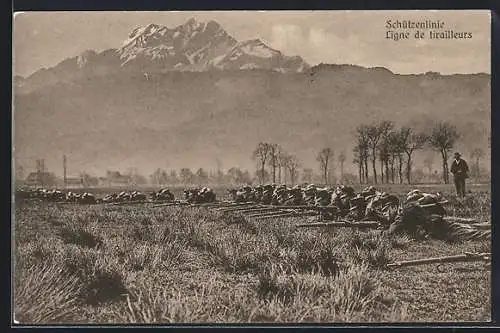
x=40, y=167
x=64, y=168
x=42, y=162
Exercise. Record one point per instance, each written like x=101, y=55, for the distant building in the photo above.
x=74, y=182
x=41, y=179
x=114, y=178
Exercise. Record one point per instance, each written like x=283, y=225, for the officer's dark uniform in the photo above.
x=460, y=170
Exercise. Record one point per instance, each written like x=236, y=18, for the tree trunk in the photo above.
x=393, y=170
x=382, y=171
x=408, y=168
x=386, y=170
x=366, y=169
x=445, y=167
x=279, y=174
x=326, y=173
x=262, y=171
x=374, y=169
x=400, y=160
x=274, y=172
x=477, y=170
x=360, y=172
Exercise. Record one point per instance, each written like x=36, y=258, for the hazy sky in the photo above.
x=43, y=39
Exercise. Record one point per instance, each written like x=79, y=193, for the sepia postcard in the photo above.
x=214, y=167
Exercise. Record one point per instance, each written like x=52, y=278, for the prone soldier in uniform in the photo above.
x=357, y=208
x=421, y=216
x=383, y=208
x=309, y=195
x=267, y=194
x=205, y=195
x=257, y=193
x=280, y=195
x=341, y=198
x=248, y=193
x=294, y=196
x=322, y=197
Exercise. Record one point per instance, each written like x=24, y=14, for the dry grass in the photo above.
x=124, y=264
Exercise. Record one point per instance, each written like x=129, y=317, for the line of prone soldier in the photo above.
x=418, y=213
x=195, y=195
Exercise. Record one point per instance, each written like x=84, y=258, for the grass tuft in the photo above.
x=79, y=235
x=45, y=294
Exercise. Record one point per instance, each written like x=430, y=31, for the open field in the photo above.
x=125, y=264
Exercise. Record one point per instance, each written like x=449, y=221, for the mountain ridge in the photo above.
x=154, y=48
x=107, y=116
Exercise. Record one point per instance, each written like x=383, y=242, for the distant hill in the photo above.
x=125, y=108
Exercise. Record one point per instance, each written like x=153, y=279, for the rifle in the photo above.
x=341, y=224
x=281, y=214
x=172, y=203
x=251, y=209
x=467, y=256
x=459, y=219
x=235, y=206
x=305, y=207
x=125, y=203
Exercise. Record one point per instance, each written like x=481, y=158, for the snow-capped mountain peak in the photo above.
x=196, y=45
x=191, y=46
x=193, y=25
x=257, y=48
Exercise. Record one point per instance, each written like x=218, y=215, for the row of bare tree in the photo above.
x=394, y=148
x=282, y=165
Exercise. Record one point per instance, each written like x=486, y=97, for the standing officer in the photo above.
x=460, y=171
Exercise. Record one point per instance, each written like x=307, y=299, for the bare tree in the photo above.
x=477, y=154
x=383, y=155
x=324, y=158
x=362, y=151
x=273, y=153
x=261, y=154
x=384, y=151
x=442, y=138
x=282, y=158
x=292, y=164
x=155, y=177
x=409, y=143
x=341, y=161
x=172, y=177
x=393, y=149
x=375, y=133
x=186, y=176
x=163, y=177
